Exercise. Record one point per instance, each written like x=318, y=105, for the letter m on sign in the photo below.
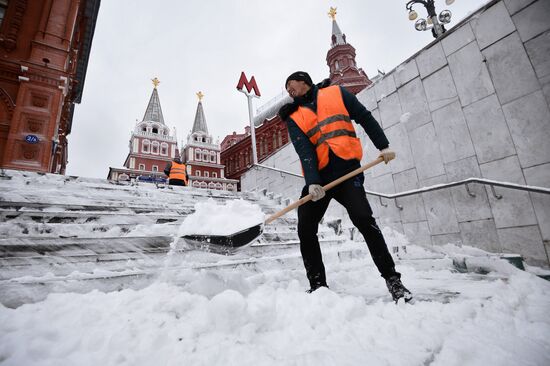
x=250, y=85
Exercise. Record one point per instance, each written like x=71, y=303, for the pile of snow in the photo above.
x=213, y=218
x=241, y=317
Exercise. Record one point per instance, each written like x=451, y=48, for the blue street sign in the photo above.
x=32, y=139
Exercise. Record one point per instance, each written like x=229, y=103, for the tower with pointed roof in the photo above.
x=152, y=145
x=202, y=156
x=341, y=61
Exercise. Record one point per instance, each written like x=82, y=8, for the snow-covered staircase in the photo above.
x=55, y=225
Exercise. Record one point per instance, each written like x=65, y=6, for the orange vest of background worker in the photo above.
x=176, y=172
x=331, y=128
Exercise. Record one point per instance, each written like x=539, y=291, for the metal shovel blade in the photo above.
x=224, y=244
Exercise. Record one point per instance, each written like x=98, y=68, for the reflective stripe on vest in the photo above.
x=329, y=128
x=177, y=171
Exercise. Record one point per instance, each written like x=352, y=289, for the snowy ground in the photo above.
x=196, y=308
x=261, y=316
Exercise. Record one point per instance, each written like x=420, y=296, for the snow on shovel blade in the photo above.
x=225, y=244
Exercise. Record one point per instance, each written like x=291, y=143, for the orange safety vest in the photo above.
x=330, y=128
x=177, y=171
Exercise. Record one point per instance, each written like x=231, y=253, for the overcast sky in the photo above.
x=203, y=45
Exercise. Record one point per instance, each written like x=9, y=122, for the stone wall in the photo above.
x=474, y=103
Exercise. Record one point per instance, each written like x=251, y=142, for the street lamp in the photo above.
x=433, y=22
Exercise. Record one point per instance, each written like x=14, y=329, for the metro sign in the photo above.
x=250, y=85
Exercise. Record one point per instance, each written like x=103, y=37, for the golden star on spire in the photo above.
x=332, y=13
x=200, y=95
x=156, y=82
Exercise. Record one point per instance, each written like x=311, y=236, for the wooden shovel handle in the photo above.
x=332, y=184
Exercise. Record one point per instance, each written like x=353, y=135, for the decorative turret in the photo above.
x=202, y=156
x=154, y=111
x=200, y=121
x=341, y=61
x=151, y=145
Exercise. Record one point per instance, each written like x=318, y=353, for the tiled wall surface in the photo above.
x=475, y=103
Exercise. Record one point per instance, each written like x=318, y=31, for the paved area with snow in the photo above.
x=260, y=315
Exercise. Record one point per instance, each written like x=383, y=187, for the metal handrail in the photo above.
x=466, y=182
x=491, y=183
x=277, y=170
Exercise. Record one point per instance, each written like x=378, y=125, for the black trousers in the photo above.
x=176, y=182
x=351, y=195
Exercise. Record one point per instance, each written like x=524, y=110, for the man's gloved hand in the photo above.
x=317, y=192
x=387, y=155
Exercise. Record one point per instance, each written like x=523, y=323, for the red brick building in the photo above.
x=44, y=50
x=271, y=132
x=151, y=146
x=202, y=156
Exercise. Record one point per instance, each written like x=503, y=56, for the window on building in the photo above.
x=204, y=185
x=164, y=149
x=261, y=146
x=205, y=156
x=198, y=173
x=197, y=155
x=336, y=65
x=214, y=175
x=141, y=167
x=155, y=147
x=145, y=146
x=196, y=184
x=213, y=157
x=155, y=130
x=280, y=137
x=206, y=174
x=218, y=186
x=155, y=168
x=274, y=141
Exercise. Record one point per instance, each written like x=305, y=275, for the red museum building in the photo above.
x=44, y=50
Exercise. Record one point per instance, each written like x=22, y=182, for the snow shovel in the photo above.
x=227, y=244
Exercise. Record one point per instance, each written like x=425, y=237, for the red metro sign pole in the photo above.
x=251, y=91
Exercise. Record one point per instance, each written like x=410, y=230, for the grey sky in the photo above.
x=204, y=45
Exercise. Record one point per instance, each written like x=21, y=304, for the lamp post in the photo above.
x=433, y=22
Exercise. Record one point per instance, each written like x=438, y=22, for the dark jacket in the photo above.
x=336, y=167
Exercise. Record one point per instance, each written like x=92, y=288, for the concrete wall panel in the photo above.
x=452, y=133
x=488, y=129
x=440, y=89
x=538, y=50
x=431, y=60
x=491, y=25
x=540, y=176
x=426, y=154
x=506, y=55
x=470, y=74
x=533, y=20
x=480, y=234
x=515, y=207
x=529, y=122
x=524, y=240
x=413, y=101
x=405, y=73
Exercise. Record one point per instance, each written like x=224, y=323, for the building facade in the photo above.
x=202, y=156
x=151, y=146
x=44, y=50
x=271, y=131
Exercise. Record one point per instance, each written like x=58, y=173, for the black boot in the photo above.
x=397, y=290
x=315, y=287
